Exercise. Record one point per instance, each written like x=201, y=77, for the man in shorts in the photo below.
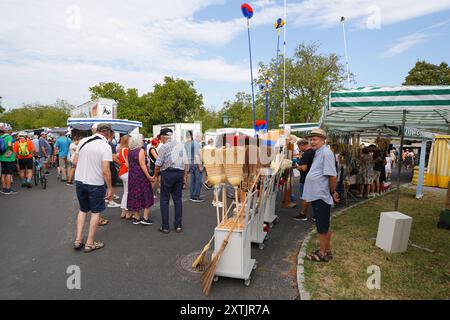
x=92, y=173
x=24, y=150
x=8, y=162
x=320, y=190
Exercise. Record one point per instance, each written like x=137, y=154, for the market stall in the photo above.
x=418, y=107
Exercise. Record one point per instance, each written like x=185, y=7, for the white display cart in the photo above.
x=258, y=235
x=271, y=198
x=236, y=261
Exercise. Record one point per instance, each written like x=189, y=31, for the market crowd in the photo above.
x=159, y=167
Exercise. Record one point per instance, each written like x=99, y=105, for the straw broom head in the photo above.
x=201, y=257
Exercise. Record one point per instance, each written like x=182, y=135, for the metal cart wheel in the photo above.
x=247, y=282
x=216, y=278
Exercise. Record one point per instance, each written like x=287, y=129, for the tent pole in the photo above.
x=423, y=151
x=397, y=196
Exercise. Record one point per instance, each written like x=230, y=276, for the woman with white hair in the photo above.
x=140, y=192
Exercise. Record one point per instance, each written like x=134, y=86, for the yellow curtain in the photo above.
x=439, y=163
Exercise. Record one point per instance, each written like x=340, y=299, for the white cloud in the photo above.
x=406, y=43
x=44, y=55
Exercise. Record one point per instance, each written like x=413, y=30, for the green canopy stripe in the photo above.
x=390, y=93
x=365, y=104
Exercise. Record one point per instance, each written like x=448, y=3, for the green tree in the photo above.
x=424, y=73
x=239, y=111
x=176, y=100
x=37, y=116
x=310, y=76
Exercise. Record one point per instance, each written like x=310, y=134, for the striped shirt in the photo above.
x=172, y=155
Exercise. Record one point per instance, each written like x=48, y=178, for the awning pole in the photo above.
x=400, y=160
x=423, y=151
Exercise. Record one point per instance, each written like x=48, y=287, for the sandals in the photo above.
x=317, y=257
x=78, y=244
x=94, y=246
x=102, y=222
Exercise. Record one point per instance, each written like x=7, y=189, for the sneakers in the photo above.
x=115, y=197
x=136, y=221
x=113, y=204
x=300, y=217
x=146, y=222
x=217, y=204
x=69, y=183
x=197, y=199
x=8, y=191
x=166, y=231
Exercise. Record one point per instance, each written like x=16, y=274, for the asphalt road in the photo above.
x=37, y=228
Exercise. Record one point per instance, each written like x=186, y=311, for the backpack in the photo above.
x=3, y=145
x=23, y=149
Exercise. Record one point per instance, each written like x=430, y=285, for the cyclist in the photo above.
x=24, y=148
x=45, y=151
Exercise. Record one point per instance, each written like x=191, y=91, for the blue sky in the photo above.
x=52, y=50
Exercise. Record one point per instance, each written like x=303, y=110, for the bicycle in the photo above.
x=39, y=174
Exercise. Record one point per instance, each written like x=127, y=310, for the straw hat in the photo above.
x=317, y=132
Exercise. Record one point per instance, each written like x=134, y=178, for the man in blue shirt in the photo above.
x=320, y=190
x=173, y=165
x=193, y=151
x=62, y=150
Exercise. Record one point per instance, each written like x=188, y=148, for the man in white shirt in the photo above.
x=92, y=160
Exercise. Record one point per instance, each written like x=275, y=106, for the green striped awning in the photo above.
x=427, y=107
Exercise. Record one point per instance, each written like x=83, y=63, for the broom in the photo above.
x=201, y=257
x=208, y=275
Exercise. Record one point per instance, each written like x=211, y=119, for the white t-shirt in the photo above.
x=388, y=166
x=90, y=160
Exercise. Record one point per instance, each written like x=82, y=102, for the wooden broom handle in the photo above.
x=233, y=226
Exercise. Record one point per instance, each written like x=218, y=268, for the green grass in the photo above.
x=414, y=274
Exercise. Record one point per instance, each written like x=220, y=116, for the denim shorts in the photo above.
x=91, y=198
x=322, y=213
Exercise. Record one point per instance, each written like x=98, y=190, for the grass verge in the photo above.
x=414, y=274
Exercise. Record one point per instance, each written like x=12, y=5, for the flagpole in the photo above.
x=284, y=69
x=346, y=53
x=251, y=72
x=274, y=84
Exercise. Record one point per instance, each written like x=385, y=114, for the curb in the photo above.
x=305, y=295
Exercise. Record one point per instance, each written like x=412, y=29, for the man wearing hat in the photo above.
x=92, y=160
x=24, y=149
x=320, y=190
x=45, y=151
x=173, y=165
x=7, y=160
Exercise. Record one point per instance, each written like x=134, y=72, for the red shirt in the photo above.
x=122, y=155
